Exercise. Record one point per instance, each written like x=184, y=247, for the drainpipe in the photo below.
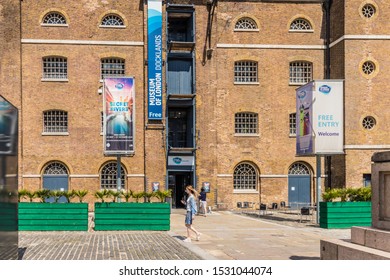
x=326, y=6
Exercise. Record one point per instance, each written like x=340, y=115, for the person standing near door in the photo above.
x=190, y=213
x=202, y=201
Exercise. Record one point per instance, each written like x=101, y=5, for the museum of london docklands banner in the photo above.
x=320, y=118
x=118, y=116
x=155, y=60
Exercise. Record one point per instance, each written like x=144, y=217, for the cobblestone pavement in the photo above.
x=225, y=236
x=134, y=245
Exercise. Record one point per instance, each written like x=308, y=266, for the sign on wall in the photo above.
x=320, y=118
x=155, y=61
x=181, y=160
x=118, y=116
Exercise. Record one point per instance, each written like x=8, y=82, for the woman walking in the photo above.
x=191, y=212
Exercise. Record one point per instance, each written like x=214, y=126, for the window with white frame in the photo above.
x=112, y=67
x=293, y=124
x=55, y=121
x=55, y=68
x=112, y=20
x=245, y=23
x=301, y=72
x=108, y=176
x=300, y=24
x=246, y=123
x=54, y=18
x=245, y=177
x=245, y=71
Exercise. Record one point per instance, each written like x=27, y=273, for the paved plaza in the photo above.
x=225, y=236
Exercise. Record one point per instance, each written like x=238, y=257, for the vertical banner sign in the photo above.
x=329, y=117
x=118, y=116
x=304, y=119
x=155, y=59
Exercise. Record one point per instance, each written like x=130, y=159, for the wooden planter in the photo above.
x=53, y=216
x=132, y=216
x=345, y=214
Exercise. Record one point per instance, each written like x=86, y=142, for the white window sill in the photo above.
x=246, y=30
x=54, y=80
x=54, y=25
x=246, y=83
x=245, y=191
x=246, y=135
x=113, y=26
x=292, y=135
x=297, y=84
x=301, y=31
x=55, y=133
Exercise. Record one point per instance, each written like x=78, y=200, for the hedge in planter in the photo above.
x=41, y=216
x=345, y=214
x=132, y=216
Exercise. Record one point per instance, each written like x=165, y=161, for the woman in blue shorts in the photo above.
x=191, y=212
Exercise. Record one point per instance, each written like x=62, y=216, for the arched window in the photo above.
x=245, y=72
x=108, y=176
x=112, y=20
x=299, y=168
x=300, y=24
x=245, y=177
x=55, y=168
x=112, y=67
x=54, y=18
x=245, y=23
x=55, y=121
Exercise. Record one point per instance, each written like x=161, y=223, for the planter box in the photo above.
x=53, y=216
x=345, y=214
x=132, y=216
x=8, y=216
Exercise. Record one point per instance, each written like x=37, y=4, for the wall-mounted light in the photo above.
x=100, y=90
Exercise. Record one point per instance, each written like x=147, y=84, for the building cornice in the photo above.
x=81, y=42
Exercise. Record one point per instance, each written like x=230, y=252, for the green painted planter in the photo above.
x=8, y=216
x=35, y=216
x=345, y=214
x=132, y=216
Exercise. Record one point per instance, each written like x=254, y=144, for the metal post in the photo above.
x=118, y=175
x=318, y=174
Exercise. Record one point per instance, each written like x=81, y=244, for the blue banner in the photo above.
x=155, y=61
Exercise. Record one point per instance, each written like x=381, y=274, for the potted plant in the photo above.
x=344, y=208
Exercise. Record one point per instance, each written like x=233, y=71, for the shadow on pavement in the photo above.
x=21, y=252
x=303, y=258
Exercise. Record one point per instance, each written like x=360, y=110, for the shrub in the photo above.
x=350, y=194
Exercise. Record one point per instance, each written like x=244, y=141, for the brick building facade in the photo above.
x=241, y=61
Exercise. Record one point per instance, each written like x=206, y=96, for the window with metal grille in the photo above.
x=55, y=168
x=245, y=177
x=55, y=121
x=301, y=72
x=112, y=20
x=108, y=176
x=55, y=68
x=299, y=169
x=112, y=67
x=300, y=24
x=54, y=18
x=245, y=72
x=245, y=24
x=293, y=124
x=246, y=123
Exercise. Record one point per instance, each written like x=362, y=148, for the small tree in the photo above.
x=116, y=195
x=149, y=195
x=69, y=195
x=56, y=195
x=80, y=194
x=162, y=195
x=127, y=195
x=22, y=194
x=138, y=195
x=42, y=194
x=31, y=195
x=103, y=194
